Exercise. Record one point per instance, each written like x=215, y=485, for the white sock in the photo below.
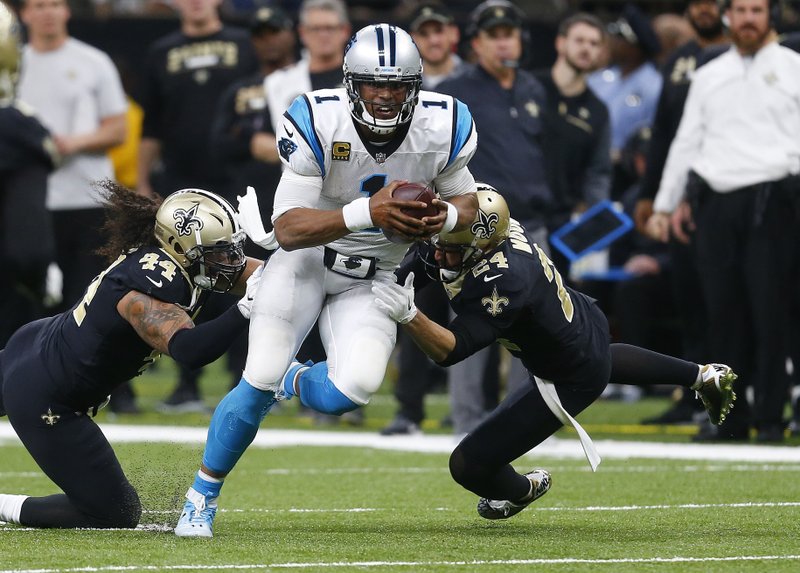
x=204, y=476
x=10, y=507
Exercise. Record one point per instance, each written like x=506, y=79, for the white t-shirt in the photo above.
x=72, y=89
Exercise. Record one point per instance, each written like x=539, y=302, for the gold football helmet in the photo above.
x=199, y=230
x=489, y=229
x=9, y=54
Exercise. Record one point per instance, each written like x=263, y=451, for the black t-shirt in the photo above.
x=573, y=127
x=184, y=80
x=90, y=349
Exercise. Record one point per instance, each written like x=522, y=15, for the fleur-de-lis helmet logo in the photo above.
x=187, y=221
x=485, y=226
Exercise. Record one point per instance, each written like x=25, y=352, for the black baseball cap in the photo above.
x=429, y=12
x=496, y=13
x=635, y=28
x=270, y=17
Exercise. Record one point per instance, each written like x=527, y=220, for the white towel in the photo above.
x=548, y=391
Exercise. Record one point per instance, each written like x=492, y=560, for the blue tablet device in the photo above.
x=595, y=229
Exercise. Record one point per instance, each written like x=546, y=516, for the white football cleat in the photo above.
x=197, y=517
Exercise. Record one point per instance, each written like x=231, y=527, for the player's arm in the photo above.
x=298, y=225
x=433, y=339
x=167, y=328
x=155, y=321
x=444, y=345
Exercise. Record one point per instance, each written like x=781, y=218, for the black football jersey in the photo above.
x=24, y=140
x=90, y=349
x=515, y=296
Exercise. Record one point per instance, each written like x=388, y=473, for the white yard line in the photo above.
x=552, y=448
x=7, y=528
x=412, y=564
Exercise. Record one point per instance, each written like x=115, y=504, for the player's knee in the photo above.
x=131, y=511
x=465, y=471
x=265, y=375
x=267, y=362
x=122, y=513
x=458, y=466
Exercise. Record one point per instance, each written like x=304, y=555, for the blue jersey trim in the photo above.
x=462, y=129
x=302, y=117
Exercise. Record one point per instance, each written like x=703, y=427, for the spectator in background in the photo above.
x=27, y=156
x=577, y=129
x=186, y=73
x=324, y=29
x=436, y=34
x=736, y=157
x=705, y=17
x=507, y=104
x=76, y=91
x=673, y=31
x=242, y=136
x=631, y=84
x=434, y=31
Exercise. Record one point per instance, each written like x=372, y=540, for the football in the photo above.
x=416, y=192
x=413, y=192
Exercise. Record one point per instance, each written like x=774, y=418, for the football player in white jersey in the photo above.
x=344, y=152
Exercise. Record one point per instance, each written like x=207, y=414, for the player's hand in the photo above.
x=433, y=225
x=397, y=301
x=641, y=213
x=250, y=220
x=681, y=223
x=245, y=303
x=658, y=227
x=386, y=213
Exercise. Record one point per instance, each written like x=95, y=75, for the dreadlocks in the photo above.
x=130, y=219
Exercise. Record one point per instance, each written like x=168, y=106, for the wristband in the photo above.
x=356, y=214
x=452, y=218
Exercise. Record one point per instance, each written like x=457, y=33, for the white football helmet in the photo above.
x=382, y=53
x=199, y=231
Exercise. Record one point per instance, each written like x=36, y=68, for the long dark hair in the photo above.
x=130, y=219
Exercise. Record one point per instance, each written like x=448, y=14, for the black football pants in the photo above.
x=69, y=447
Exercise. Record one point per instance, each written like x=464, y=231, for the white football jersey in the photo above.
x=318, y=138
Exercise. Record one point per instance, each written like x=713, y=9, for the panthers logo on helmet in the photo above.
x=187, y=221
x=485, y=226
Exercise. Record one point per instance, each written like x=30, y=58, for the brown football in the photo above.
x=413, y=192
x=416, y=192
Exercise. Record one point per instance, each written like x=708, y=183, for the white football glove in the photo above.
x=396, y=300
x=250, y=219
x=245, y=303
